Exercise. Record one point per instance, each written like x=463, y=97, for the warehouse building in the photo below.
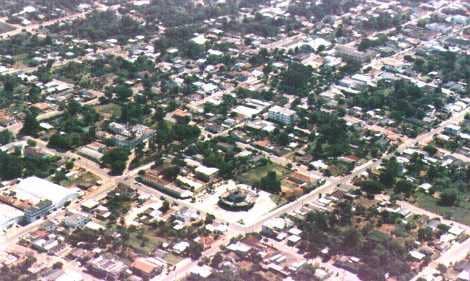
x=9, y=216
x=37, y=197
x=35, y=189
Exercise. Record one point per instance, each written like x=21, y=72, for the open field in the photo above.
x=4, y=27
x=83, y=179
x=459, y=213
x=263, y=205
x=253, y=176
x=109, y=110
x=146, y=242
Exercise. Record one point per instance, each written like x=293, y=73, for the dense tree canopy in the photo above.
x=320, y=9
x=402, y=98
x=270, y=182
x=450, y=65
x=30, y=124
x=14, y=166
x=116, y=159
x=102, y=25
x=296, y=79
x=6, y=137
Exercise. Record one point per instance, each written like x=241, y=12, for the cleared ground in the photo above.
x=459, y=213
x=264, y=204
x=253, y=176
x=5, y=27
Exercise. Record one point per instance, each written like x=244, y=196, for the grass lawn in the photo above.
x=172, y=259
x=86, y=179
x=339, y=168
x=152, y=243
x=4, y=27
x=459, y=213
x=109, y=109
x=253, y=176
x=149, y=246
x=83, y=179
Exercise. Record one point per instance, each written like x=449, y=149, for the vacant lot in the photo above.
x=253, y=176
x=144, y=241
x=5, y=27
x=459, y=213
x=109, y=110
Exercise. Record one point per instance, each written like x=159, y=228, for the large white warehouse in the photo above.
x=35, y=190
x=9, y=216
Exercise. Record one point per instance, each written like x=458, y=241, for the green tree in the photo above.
x=123, y=92
x=195, y=250
x=431, y=149
x=209, y=218
x=449, y=197
x=34, y=94
x=186, y=133
x=171, y=172
x=165, y=206
x=9, y=85
x=11, y=166
x=353, y=238
x=425, y=234
x=270, y=182
x=116, y=159
x=296, y=79
x=30, y=124
x=404, y=186
x=371, y=187
x=69, y=165
x=392, y=170
x=216, y=260
x=73, y=107
x=57, y=265
x=6, y=137
x=193, y=50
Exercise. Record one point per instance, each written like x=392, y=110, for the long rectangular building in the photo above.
x=37, y=197
x=9, y=216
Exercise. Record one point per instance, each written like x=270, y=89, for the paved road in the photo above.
x=183, y=268
x=456, y=253
x=458, y=156
x=36, y=27
x=417, y=210
x=330, y=186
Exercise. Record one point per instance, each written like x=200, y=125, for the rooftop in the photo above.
x=35, y=189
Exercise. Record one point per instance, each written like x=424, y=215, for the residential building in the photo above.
x=37, y=197
x=110, y=268
x=9, y=216
x=147, y=267
x=282, y=115
x=351, y=53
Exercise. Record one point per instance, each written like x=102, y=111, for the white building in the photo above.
x=452, y=130
x=70, y=276
x=274, y=226
x=43, y=195
x=199, y=39
x=282, y=115
x=206, y=173
x=351, y=53
x=180, y=247
x=35, y=189
x=9, y=216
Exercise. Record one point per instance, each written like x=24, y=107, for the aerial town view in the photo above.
x=235, y=140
